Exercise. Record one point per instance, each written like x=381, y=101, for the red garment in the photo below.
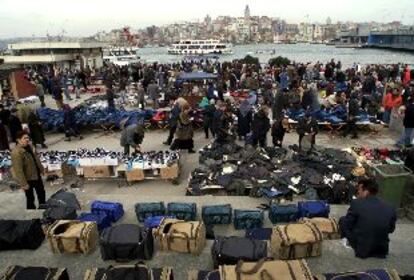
x=390, y=101
x=407, y=76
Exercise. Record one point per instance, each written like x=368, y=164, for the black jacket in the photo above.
x=409, y=116
x=260, y=125
x=367, y=225
x=305, y=127
x=353, y=109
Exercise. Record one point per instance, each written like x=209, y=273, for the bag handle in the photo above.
x=264, y=274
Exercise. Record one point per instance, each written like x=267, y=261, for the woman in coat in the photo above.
x=184, y=134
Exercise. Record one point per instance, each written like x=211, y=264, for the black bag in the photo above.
x=34, y=273
x=217, y=214
x=248, y=219
x=52, y=214
x=16, y=235
x=126, y=242
x=63, y=198
x=138, y=271
x=229, y=250
x=259, y=233
x=182, y=211
x=151, y=209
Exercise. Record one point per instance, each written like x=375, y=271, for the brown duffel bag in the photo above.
x=296, y=241
x=181, y=236
x=267, y=270
x=66, y=236
x=328, y=226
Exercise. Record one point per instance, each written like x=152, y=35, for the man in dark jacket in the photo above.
x=132, y=136
x=368, y=222
x=307, y=126
x=173, y=121
x=208, y=116
x=260, y=127
x=353, y=111
x=407, y=135
x=221, y=123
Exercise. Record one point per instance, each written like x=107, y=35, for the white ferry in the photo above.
x=121, y=56
x=199, y=47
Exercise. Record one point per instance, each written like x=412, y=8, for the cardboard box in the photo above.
x=134, y=175
x=97, y=172
x=171, y=172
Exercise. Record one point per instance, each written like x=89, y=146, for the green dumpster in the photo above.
x=391, y=180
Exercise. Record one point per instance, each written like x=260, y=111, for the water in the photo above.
x=295, y=52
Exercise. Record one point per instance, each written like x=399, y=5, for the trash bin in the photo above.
x=391, y=180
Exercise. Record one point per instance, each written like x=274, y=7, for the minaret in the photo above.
x=247, y=12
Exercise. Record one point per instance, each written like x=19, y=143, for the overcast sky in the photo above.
x=86, y=17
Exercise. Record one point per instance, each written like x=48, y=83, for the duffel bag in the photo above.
x=126, y=242
x=296, y=241
x=101, y=219
x=182, y=211
x=217, y=214
x=248, y=219
x=154, y=222
x=54, y=213
x=266, y=269
x=62, y=198
x=377, y=274
x=18, y=235
x=229, y=250
x=34, y=273
x=145, y=210
x=312, y=209
x=72, y=236
x=181, y=236
x=328, y=226
x=259, y=233
x=113, y=210
x=283, y=213
x=138, y=271
x=203, y=275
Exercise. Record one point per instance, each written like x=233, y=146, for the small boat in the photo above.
x=121, y=56
x=199, y=47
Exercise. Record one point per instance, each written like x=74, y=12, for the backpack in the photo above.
x=34, y=273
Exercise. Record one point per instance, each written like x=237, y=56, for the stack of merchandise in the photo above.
x=5, y=164
x=378, y=156
x=151, y=160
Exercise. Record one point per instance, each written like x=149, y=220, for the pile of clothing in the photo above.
x=334, y=115
x=379, y=155
x=151, y=160
x=5, y=159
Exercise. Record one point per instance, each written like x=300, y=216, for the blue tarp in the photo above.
x=195, y=76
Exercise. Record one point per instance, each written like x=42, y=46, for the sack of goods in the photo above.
x=283, y=213
x=217, y=214
x=182, y=211
x=203, y=275
x=328, y=226
x=296, y=241
x=34, y=273
x=151, y=209
x=101, y=219
x=18, y=235
x=181, y=236
x=266, y=269
x=126, y=242
x=230, y=250
x=138, y=271
x=312, y=209
x=72, y=236
x=380, y=274
x=113, y=210
x=248, y=219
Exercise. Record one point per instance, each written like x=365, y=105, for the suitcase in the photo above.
x=248, y=219
x=217, y=214
x=125, y=272
x=145, y=210
x=378, y=274
x=101, y=219
x=267, y=269
x=312, y=209
x=72, y=236
x=113, y=210
x=126, y=242
x=181, y=236
x=296, y=241
x=259, y=233
x=328, y=226
x=154, y=222
x=230, y=250
x=34, y=273
x=18, y=235
x=182, y=211
x=283, y=213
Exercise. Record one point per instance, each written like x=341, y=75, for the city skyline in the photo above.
x=81, y=18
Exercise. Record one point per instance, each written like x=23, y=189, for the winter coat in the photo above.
x=184, y=127
x=409, y=116
x=260, y=125
x=244, y=123
x=307, y=127
x=391, y=102
x=15, y=125
x=24, y=166
x=132, y=135
x=36, y=130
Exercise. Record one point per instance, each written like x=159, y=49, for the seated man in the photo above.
x=368, y=222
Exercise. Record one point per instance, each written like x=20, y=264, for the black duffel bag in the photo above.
x=126, y=242
x=34, y=273
x=17, y=235
x=229, y=250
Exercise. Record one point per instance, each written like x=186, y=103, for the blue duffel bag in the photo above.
x=182, y=211
x=113, y=210
x=283, y=213
x=155, y=221
x=248, y=219
x=217, y=214
x=150, y=209
x=378, y=274
x=101, y=219
x=312, y=209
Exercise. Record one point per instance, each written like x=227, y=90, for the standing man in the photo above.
x=368, y=222
x=307, y=126
x=40, y=92
x=27, y=170
x=353, y=111
x=407, y=135
x=173, y=121
x=260, y=127
x=153, y=93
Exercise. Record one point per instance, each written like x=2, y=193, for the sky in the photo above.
x=86, y=17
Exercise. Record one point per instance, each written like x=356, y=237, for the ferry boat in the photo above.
x=199, y=47
x=121, y=56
